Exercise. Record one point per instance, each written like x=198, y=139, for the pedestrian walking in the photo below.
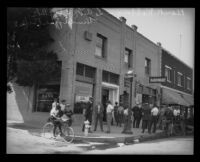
x=137, y=112
x=109, y=110
x=88, y=113
x=120, y=114
x=154, y=117
x=146, y=116
x=98, y=115
x=116, y=116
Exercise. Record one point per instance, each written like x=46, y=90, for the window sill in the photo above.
x=102, y=58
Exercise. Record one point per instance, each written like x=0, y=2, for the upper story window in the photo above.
x=188, y=83
x=110, y=77
x=168, y=73
x=147, y=66
x=128, y=57
x=180, y=79
x=100, y=50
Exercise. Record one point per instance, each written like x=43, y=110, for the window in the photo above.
x=127, y=57
x=110, y=77
x=147, y=66
x=89, y=72
x=85, y=73
x=45, y=97
x=80, y=69
x=180, y=79
x=100, y=46
x=188, y=83
x=168, y=73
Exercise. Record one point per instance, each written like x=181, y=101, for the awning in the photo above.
x=188, y=98
x=172, y=97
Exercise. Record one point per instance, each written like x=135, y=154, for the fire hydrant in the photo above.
x=87, y=126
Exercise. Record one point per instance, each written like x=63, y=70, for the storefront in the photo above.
x=178, y=101
x=82, y=93
x=144, y=94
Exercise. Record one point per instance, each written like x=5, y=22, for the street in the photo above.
x=22, y=142
x=169, y=146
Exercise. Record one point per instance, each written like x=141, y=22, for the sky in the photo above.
x=174, y=28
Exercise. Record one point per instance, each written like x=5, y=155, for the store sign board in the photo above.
x=82, y=98
x=157, y=79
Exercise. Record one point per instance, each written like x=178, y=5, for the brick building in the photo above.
x=94, y=59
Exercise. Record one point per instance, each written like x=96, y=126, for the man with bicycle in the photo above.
x=55, y=117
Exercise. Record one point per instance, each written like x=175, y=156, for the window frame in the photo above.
x=188, y=81
x=181, y=79
x=103, y=46
x=169, y=79
x=147, y=66
x=128, y=53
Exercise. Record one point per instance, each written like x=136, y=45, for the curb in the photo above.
x=125, y=140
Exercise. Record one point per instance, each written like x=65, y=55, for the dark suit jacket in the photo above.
x=96, y=110
x=146, y=111
x=137, y=112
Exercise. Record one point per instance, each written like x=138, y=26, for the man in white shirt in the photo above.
x=109, y=111
x=154, y=117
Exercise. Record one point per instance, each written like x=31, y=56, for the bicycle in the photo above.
x=68, y=132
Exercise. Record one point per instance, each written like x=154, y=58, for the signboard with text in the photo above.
x=157, y=79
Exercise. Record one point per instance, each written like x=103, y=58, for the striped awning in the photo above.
x=172, y=97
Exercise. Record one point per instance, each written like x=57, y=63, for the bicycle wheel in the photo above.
x=47, y=131
x=68, y=134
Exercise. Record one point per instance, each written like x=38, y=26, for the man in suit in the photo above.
x=137, y=113
x=98, y=115
x=146, y=117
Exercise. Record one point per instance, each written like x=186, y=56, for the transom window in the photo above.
x=110, y=77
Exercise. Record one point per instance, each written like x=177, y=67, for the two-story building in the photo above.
x=177, y=90
x=94, y=58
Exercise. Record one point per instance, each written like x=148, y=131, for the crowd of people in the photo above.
x=149, y=114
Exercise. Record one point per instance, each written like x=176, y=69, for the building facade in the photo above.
x=94, y=59
x=177, y=90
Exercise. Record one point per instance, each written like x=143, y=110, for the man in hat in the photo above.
x=146, y=115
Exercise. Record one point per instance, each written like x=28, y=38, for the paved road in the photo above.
x=21, y=141
x=172, y=146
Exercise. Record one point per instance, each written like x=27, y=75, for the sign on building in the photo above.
x=157, y=79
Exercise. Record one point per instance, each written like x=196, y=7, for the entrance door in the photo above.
x=105, y=97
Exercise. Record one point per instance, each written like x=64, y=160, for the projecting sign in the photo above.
x=157, y=79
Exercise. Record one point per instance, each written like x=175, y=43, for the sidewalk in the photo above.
x=114, y=137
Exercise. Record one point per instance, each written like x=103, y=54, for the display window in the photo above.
x=45, y=97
